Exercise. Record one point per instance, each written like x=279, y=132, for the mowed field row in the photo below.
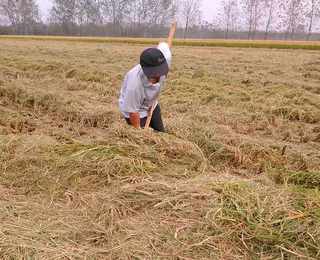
x=236, y=176
x=306, y=45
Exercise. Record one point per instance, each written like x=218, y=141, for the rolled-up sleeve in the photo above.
x=164, y=48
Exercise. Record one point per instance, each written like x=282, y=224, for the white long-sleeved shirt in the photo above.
x=137, y=93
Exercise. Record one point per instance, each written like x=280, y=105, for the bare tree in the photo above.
x=88, y=12
x=114, y=11
x=22, y=14
x=253, y=12
x=30, y=15
x=294, y=16
x=313, y=11
x=161, y=11
x=138, y=12
x=64, y=13
x=2, y=13
x=270, y=7
x=191, y=14
x=149, y=16
x=152, y=12
x=229, y=16
x=9, y=9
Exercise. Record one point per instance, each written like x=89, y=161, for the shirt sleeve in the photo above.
x=164, y=48
x=132, y=100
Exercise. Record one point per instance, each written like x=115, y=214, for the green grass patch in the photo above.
x=179, y=42
x=304, y=179
x=269, y=222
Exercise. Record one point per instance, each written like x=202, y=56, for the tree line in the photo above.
x=250, y=19
x=290, y=17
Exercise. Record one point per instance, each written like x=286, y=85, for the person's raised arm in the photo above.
x=171, y=34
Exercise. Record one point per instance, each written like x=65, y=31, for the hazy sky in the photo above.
x=209, y=7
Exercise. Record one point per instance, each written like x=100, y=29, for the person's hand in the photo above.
x=135, y=120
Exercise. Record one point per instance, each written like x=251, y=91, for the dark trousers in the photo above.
x=156, y=120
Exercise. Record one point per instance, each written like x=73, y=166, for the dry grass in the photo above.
x=236, y=177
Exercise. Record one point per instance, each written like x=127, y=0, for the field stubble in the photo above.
x=236, y=177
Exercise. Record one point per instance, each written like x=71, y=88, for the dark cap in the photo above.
x=153, y=63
